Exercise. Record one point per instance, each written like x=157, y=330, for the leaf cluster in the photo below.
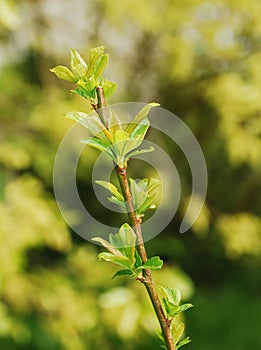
x=143, y=194
x=121, y=251
x=171, y=299
x=87, y=76
x=119, y=142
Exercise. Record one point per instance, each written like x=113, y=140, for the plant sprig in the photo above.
x=121, y=142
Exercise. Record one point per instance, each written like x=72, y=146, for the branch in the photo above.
x=135, y=222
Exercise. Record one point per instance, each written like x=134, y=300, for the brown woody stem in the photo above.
x=135, y=222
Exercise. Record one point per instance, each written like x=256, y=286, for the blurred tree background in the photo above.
x=199, y=59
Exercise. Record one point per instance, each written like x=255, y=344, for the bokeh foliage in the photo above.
x=200, y=60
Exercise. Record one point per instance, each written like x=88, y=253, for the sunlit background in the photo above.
x=200, y=60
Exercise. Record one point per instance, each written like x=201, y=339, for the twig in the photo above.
x=135, y=222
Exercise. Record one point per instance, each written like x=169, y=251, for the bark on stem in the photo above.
x=135, y=222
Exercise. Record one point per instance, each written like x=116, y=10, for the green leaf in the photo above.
x=177, y=331
x=185, y=307
x=120, y=135
x=81, y=92
x=183, y=342
x=141, y=151
x=94, y=54
x=134, y=188
x=113, y=189
x=79, y=117
x=92, y=123
x=116, y=201
x=108, y=246
x=153, y=263
x=142, y=114
x=88, y=86
x=121, y=141
x=147, y=204
x=100, y=145
x=153, y=185
x=114, y=122
x=172, y=295
x=143, y=184
x=138, y=261
x=78, y=65
x=123, y=273
x=125, y=239
x=131, y=145
x=64, y=73
x=109, y=87
x=141, y=129
x=100, y=66
x=115, y=259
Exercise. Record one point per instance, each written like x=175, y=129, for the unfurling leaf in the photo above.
x=100, y=66
x=94, y=56
x=177, y=331
x=78, y=65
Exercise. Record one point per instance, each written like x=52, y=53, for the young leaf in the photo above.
x=109, y=87
x=100, y=145
x=147, y=204
x=120, y=136
x=81, y=92
x=114, y=122
x=131, y=145
x=134, y=188
x=64, y=73
x=177, y=331
x=78, y=65
x=141, y=151
x=138, y=261
x=94, y=55
x=93, y=124
x=88, y=86
x=113, y=189
x=185, y=307
x=115, y=259
x=100, y=66
x=183, y=342
x=108, y=246
x=172, y=295
x=125, y=239
x=122, y=273
x=140, y=116
x=153, y=263
x=153, y=185
x=141, y=129
x=121, y=204
x=79, y=117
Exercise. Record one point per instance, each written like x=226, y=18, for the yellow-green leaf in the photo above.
x=64, y=73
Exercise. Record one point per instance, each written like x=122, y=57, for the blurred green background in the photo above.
x=200, y=60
